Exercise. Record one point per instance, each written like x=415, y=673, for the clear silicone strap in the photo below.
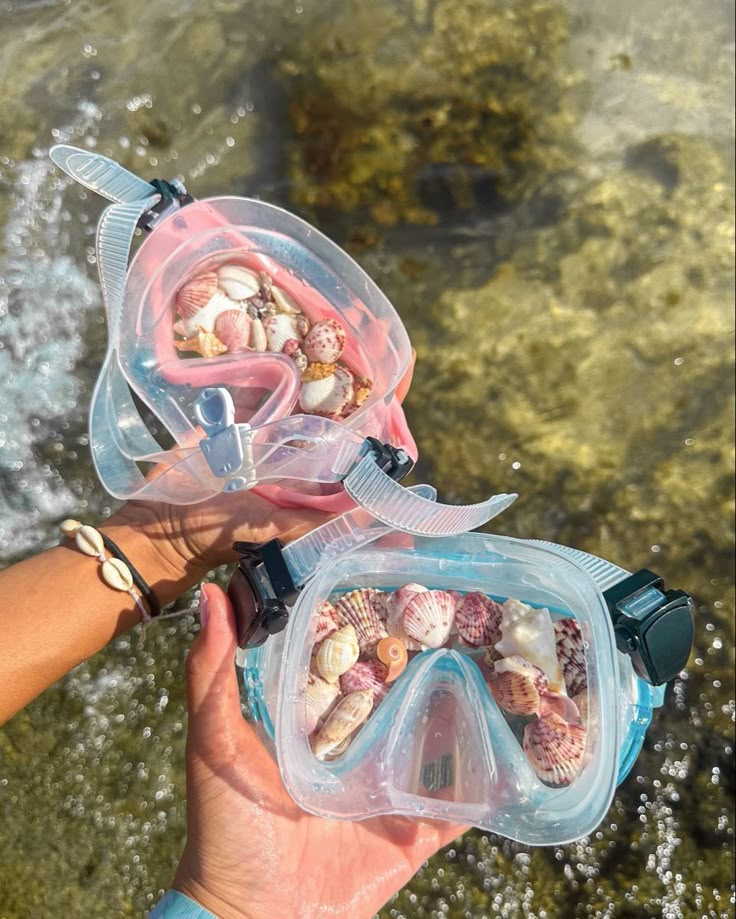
x=346, y=533
x=604, y=573
x=100, y=174
x=404, y=510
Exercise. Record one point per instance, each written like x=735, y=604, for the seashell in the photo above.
x=561, y=705
x=206, y=344
x=326, y=621
x=338, y=751
x=530, y=633
x=319, y=698
x=392, y=652
x=238, y=283
x=279, y=329
x=397, y=604
x=69, y=527
x=325, y=341
x=346, y=717
x=266, y=284
x=206, y=317
x=379, y=602
x=89, y=541
x=232, y=327
x=302, y=325
x=337, y=653
x=258, y=339
x=285, y=303
x=195, y=294
x=363, y=389
x=116, y=574
x=366, y=675
x=328, y=396
x=478, y=619
x=356, y=608
x=571, y=655
x=517, y=685
x=428, y=618
x=554, y=748
x=490, y=656
x=581, y=703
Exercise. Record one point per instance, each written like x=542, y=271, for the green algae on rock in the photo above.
x=407, y=116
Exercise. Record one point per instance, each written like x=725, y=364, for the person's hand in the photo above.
x=251, y=853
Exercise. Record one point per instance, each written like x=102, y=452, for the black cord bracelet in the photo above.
x=154, y=607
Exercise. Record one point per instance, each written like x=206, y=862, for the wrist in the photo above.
x=213, y=904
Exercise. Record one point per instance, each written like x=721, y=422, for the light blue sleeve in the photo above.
x=175, y=905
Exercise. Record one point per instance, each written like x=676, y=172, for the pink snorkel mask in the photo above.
x=262, y=348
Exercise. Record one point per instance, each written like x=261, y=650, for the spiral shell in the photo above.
x=571, y=655
x=329, y=396
x=279, y=329
x=337, y=653
x=207, y=344
x=325, y=341
x=554, y=748
x=238, y=283
x=232, y=327
x=396, y=608
x=319, y=698
x=258, y=338
x=356, y=609
x=517, y=685
x=428, y=618
x=530, y=633
x=478, y=619
x=205, y=318
x=89, y=541
x=348, y=715
x=326, y=621
x=285, y=303
x=116, y=574
x=392, y=652
x=195, y=294
x=366, y=675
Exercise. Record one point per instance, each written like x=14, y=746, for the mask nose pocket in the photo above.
x=450, y=743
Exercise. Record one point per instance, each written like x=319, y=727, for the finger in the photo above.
x=405, y=382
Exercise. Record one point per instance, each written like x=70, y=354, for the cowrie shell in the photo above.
x=116, y=574
x=89, y=541
x=69, y=527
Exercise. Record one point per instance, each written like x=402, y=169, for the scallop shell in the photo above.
x=366, y=675
x=116, y=574
x=561, y=705
x=325, y=341
x=89, y=541
x=396, y=608
x=379, y=602
x=232, y=327
x=279, y=329
x=517, y=685
x=571, y=655
x=337, y=653
x=195, y=294
x=392, y=652
x=238, y=283
x=356, y=609
x=319, y=698
x=478, y=619
x=285, y=303
x=554, y=748
x=530, y=633
x=329, y=396
x=346, y=717
x=258, y=338
x=428, y=618
x=326, y=621
x=581, y=703
x=205, y=318
x=69, y=527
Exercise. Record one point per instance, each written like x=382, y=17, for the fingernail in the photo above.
x=203, y=608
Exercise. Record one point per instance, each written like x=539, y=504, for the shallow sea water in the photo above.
x=545, y=191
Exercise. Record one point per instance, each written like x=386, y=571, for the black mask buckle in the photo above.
x=174, y=196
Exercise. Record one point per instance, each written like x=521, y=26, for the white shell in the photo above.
x=320, y=697
x=530, y=633
x=89, y=541
x=205, y=318
x=328, y=396
x=279, y=329
x=285, y=303
x=69, y=527
x=396, y=607
x=116, y=574
x=347, y=716
x=258, y=339
x=238, y=282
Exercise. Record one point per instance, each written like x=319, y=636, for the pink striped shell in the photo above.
x=554, y=748
x=356, y=609
x=429, y=617
x=478, y=619
x=395, y=609
x=233, y=329
x=366, y=675
x=327, y=621
x=517, y=686
x=195, y=294
x=571, y=655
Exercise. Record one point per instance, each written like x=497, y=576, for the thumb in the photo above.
x=212, y=684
